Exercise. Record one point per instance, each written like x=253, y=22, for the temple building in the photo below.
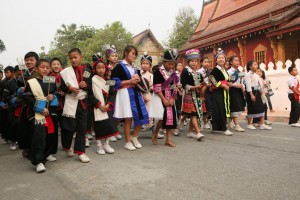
x=261, y=30
x=146, y=41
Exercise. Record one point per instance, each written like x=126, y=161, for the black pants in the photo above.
x=295, y=110
x=26, y=130
x=72, y=125
x=269, y=101
x=14, y=124
x=5, y=124
x=90, y=119
x=38, y=143
x=219, y=118
x=52, y=139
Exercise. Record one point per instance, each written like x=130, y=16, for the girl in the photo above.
x=254, y=91
x=112, y=59
x=178, y=101
x=37, y=95
x=192, y=82
x=220, y=95
x=205, y=72
x=129, y=102
x=146, y=64
x=163, y=99
x=236, y=92
x=103, y=125
x=76, y=82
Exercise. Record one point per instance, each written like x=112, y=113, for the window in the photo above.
x=260, y=54
x=260, y=57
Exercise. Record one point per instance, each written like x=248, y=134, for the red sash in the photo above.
x=49, y=124
x=296, y=95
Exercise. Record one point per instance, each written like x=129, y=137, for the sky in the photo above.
x=28, y=25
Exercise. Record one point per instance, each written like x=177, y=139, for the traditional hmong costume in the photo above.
x=208, y=92
x=35, y=98
x=14, y=111
x=104, y=126
x=220, y=97
x=75, y=106
x=237, y=100
x=129, y=102
x=254, y=84
x=165, y=82
x=4, y=112
x=192, y=104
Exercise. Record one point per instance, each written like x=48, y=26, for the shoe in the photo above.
x=87, y=142
x=107, y=148
x=113, y=139
x=13, y=146
x=74, y=136
x=163, y=131
x=136, y=143
x=265, y=127
x=251, y=127
x=129, y=146
x=119, y=137
x=144, y=128
x=40, y=168
x=190, y=135
x=149, y=127
x=295, y=125
x=160, y=136
x=70, y=152
x=83, y=158
x=228, y=133
x=206, y=126
x=89, y=136
x=176, y=132
x=100, y=149
x=199, y=136
x=267, y=122
x=51, y=158
x=238, y=128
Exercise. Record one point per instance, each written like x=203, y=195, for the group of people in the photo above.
x=97, y=97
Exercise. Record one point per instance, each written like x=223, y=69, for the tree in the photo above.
x=185, y=24
x=113, y=34
x=68, y=37
x=2, y=46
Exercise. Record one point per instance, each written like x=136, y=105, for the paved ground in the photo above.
x=252, y=165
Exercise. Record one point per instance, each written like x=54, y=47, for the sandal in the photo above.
x=170, y=144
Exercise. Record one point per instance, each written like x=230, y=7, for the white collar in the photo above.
x=126, y=63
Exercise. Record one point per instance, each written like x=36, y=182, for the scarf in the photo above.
x=71, y=100
x=97, y=86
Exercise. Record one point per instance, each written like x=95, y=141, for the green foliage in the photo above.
x=2, y=46
x=185, y=24
x=111, y=34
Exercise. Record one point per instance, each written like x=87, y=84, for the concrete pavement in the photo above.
x=251, y=165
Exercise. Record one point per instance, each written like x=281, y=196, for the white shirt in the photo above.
x=292, y=82
x=231, y=71
x=129, y=67
x=253, y=80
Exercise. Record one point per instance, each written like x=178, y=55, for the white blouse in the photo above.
x=253, y=80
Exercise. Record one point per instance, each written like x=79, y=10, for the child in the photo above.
x=146, y=64
x=14, y=108
x=37, y=95
x=205, y=72
x=294, y=94
x=76, y=84
x=192, y=83
x=129, y=102
x=220, y=95
x=254, y=91
x=6, y=120
x=112, y=59
x=178, y=101
x=104, y=126
x=25, y=135
x=163, y=100
x=236, y=93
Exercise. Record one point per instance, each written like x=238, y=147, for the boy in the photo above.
x=76, y=84
x=31, y=59
x=14, y=108
x=38, y=96
x=294, y=94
